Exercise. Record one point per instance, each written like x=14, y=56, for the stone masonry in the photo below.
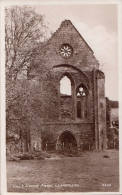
x=57, y=114
x=56, y=120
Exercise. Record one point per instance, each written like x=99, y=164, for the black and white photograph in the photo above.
x=62, y=97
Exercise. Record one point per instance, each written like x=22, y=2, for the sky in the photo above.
x=97, y=23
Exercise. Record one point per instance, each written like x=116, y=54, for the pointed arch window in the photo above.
x=81, y=95
x=65, y=86
x=67, y=93
x=81, y=91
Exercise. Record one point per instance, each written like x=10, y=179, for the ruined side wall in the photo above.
x=101, y=111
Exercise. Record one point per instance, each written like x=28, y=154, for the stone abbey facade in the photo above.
x=75, y=118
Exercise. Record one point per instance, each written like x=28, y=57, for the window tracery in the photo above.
x=81, y=102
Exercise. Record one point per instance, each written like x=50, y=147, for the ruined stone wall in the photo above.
x=82, y=56
x=49, y=56
x=50, y=132
x=101, y=111
x=44, y=100
x=49, y=98
x=48, y=68
x=48, y=106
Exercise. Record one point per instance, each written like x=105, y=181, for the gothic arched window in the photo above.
x=66, y=90
x=81, y=94
x=81, y=91
x=65, y=86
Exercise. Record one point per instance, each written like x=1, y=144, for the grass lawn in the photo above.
x=90, y=172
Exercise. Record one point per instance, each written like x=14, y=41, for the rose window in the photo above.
x=66, y=50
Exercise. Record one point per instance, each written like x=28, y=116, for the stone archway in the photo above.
x=66, y=142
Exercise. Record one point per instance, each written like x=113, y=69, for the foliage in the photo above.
x=24, y=30
x=24, y=33
x=113, y=137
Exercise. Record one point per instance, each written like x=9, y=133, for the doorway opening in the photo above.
x=67, y=142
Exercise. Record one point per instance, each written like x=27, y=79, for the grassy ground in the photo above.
x=87, y=173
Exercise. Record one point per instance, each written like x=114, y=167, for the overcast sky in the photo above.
x=98, y=25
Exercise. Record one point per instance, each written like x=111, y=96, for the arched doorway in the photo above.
x=66, y=142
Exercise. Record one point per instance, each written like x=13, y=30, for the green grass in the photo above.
x=87, y=173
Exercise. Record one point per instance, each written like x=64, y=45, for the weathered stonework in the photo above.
x=60, y=114
x=53, y=116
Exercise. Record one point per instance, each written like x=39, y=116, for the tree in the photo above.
x=24, y=31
